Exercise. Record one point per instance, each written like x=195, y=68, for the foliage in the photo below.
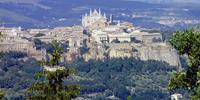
x=16, y=74
x=50, y=46
x=177, y=80
x=187, y=43
x=128, y=98
x=1, y=35
x=50, y=84
x=105, y=78
x=83, y=50
x=39, y=35
x=38, y=43
x=53, y=88
x=56, y=54
x=1, y=94
x=146, y=79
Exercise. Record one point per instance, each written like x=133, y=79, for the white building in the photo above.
x=95, y=19
x=100, y=36
x=176, y=97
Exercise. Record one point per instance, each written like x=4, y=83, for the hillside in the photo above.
x=98, y=79
x=47, y=13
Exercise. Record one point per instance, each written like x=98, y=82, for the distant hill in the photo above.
x=51, y=13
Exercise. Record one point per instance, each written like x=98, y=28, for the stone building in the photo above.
x=120, y=51
x=22, y=45
x=103, y=37
x=95, y=20
x=73, y=36
x=13, y=41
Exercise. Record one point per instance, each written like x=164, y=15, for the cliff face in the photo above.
x=160, y=52
x=95, y=52
x=155, y=51
x=120, y=51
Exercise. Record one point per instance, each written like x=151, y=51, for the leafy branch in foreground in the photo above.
x=187, y=43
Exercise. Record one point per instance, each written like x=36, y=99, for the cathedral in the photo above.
x=95, y=20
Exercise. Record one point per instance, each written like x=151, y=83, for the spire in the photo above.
x=95, y=11
x=83, y=21
x=118, y=23
x=111, y=18
x=104, y=15
x=90, y=11
x=99, y=11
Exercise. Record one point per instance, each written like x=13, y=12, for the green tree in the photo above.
x=50, y=84
x=1, y=35
x=128, y=98
x=56, y=55
x=53, y=87
x=187, y=43
x=2, y=94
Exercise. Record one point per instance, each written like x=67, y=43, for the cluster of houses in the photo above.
x=104, y=37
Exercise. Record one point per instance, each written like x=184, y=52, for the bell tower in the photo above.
x=111, y=19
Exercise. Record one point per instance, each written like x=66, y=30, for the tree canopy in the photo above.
x=50, y=84
x=187, y=43
x=53, y=88
x=1, y=95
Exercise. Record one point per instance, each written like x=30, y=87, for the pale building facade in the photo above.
x=96, y=20
x=176, y=97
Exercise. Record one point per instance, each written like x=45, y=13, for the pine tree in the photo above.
x=50, y=84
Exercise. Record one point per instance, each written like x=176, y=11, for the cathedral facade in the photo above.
x=95, y=20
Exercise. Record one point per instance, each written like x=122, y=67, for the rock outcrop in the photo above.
x=160, y=52
x=153, y=51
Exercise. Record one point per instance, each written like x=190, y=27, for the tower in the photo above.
x=83, y=20
x=99, y=12
x=111, y=19
x=90, y=12
x=118, y=23
x=104, y=15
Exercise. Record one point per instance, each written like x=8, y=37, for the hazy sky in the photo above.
x=21, y=1
x=150, y=1
x=168, y=1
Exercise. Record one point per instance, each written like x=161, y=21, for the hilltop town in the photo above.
x=100, y=34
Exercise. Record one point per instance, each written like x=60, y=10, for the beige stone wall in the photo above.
x=98, y=25
x=25, y=47
x=155, y=51
x=161, y=53
x=151, y=37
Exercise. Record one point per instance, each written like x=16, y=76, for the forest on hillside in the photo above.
x=122, y=78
